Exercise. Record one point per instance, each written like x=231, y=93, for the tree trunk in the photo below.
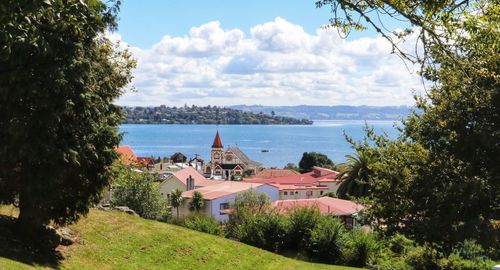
x=177, y=208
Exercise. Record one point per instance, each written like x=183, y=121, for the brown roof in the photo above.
x=326, y=205
x=299, y=187
x=222, y=189
x=126, y=154
x=217, y=141
x=272, y=173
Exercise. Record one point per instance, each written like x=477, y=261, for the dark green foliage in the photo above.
x=291, y=166
x=356, y=176
x=302, y=222
x=311, y=159
x=58, y=127
x=204, y=115
x=202, y=224
x=246, y=205
x=140, y=192
x=176, y=200
x=326, y=240
x=196, y=203
x=361, y=248
x=267, y=231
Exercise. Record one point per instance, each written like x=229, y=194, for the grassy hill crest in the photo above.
x=114, y=240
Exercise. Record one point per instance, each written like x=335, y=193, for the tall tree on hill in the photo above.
x=444, y=171
x=311, y=159
x=59, y=75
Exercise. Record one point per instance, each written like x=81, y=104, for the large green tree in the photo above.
x=59, y=75
x=444, y=172
x=311, y=159
x=355, y=176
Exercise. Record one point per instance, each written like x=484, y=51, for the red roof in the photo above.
x=273, y=173
x=217, y=141
x=315, y=177
x=127, y=155
x=299, y=187
x=326, y=205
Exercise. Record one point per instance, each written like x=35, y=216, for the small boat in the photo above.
x=264, y=150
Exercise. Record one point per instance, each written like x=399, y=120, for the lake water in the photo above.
x=285, y=143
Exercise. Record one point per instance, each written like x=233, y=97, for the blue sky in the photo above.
x=255, y=52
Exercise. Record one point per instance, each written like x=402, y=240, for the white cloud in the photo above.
x=278, y=64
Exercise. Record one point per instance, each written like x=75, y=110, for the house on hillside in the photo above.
x=127, y=155
x=347, y=211
x=218, y=197
x=146, y=162
x=229, y=164
x=185, y=179
x=309, y=185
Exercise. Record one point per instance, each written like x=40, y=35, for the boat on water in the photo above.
x=264, y=150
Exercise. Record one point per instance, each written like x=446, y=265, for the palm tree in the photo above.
x=355, y=178
x=197, y=202
x=176, y=200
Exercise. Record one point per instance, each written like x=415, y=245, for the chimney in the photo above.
x=190, y=183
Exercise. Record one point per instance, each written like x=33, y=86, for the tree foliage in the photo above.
x=139, y=192
x=58, y=127
x=176, y=200
x=311, y=159
x=196, y=203
x=355, y=176
x=439, y=182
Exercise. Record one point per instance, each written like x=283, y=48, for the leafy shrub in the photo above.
x=399, y=244
x=203, y=224
x=302, y=222
x=266, y=231
x=139, y=192
x=423, y=258
x=326, y=240
x=470, y=250
x=361, y=248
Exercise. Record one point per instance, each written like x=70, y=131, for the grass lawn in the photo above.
x=114, y=240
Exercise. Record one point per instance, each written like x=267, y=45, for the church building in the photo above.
x=230, y=164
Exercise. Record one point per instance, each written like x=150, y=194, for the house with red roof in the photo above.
x=185, y=179
x=127, y=155
x=347, y=211
x=309, y=185
x=218, y=197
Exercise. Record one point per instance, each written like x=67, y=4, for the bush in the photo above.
x=399, y=244
x=266, y=231
x=301, y=222
x=361, y=248
x=423, y=258
x=202, y=224
x=326, y=240
x=139, y=192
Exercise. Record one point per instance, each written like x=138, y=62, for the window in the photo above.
x=285, y=193
x=321, y=192
x=223, y=206
x=296, y=192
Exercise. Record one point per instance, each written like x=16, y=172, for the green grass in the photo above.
x=113, y=240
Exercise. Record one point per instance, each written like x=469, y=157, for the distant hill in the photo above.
x=205, y=115
x=343, y=112
x=114, y=240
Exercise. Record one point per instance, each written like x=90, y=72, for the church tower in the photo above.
x=217, y=150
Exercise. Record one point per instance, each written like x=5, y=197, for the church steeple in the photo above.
x=217, y=141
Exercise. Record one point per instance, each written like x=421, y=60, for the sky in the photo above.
x=256, y=52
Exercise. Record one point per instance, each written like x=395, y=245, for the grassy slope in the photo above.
x=112, y=240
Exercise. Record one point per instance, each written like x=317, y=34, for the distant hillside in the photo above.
x=331, y=112
x=205, y=115
x=114, y=240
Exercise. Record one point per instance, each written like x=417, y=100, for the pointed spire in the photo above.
x=217, y=141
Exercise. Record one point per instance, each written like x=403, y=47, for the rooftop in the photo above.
x=223, y=188
x=199, y=179
x=317, y=176
x=273, y=173
x=127, y=155
x=326, y=205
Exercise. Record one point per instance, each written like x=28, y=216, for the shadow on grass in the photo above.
x=13, y=248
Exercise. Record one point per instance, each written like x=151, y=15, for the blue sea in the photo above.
x=285, y=143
